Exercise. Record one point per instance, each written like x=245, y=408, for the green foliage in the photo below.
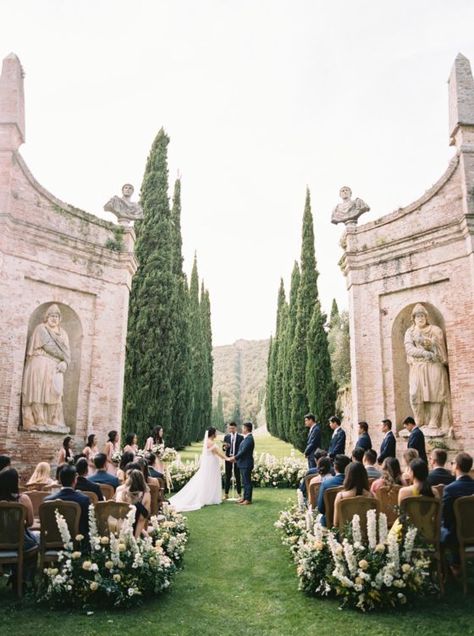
x=339, y=348
x=116, y=244
x=284, y=358
x=218, y=420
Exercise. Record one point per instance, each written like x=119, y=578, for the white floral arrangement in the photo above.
x=181, y=473
x=169, y=455
x=158, y=449
x=272, y=472
x=115, y=570
x=170, y=532
x=385, y=570
x=116, y=457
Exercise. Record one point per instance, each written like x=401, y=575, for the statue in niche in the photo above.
x=428, y=380
x=350, y=209
x=47, y=359
x=123, y=207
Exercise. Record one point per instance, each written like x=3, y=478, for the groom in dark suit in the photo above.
x=244, y=459
x=231, y=446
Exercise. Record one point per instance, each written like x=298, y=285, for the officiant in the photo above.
x=232, y=441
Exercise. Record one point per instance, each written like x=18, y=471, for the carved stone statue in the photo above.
x=47, y=359
x=349, y=210
x=428, y=361
x=123, y=207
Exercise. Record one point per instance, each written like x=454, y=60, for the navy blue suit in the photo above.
x=462, y=487
x=244, y=459
x=417, y=441
x=338, y=443
x=440, y=476
x=388, y=447
x=313, y=443
x=364, y=441
x=69, y=494
x=330, y=482
x=88, y=486
x=103, y=477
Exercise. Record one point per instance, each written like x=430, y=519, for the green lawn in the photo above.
x=264, y=443
x=238, y=580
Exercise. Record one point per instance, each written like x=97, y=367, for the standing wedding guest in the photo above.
x=103, y=476
x=438, y=473
x=65, y=454
x=131, y=443
x=84, y=484
x=420, y=486
x=364, y=440
x=408, y=456
x=370, y=457
x=68, y=492
x=416, y=439
x=90, y=449
x=41, y=477
x=111, y=447
x=338, y=439
x=356, y=484
x=314, y=439
x=5, y=461
x=388, y=448
x=136, y=492
x=155, y=439
x=231, y=446
x=340, y=464
x=127, y=458
x=153, y=467
x=391, y=475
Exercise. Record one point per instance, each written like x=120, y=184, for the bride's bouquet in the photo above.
x=116, y=457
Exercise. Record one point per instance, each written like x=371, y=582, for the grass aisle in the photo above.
x=238, y=580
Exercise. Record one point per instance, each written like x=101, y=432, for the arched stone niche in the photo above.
x=400, y=365
x=71, y=323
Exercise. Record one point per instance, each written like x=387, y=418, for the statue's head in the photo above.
x=419, y=316
x=128, y=190
x=52, y=316
x=345, y=193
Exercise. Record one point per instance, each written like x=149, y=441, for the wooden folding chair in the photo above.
x=37, y=497
x=51, y=542
x=359, y=505
x=464, y=516
x=93, y=498
x=329, y=499
x=313, y=494
x=388, y=500
x=155, y=498
x=107, y=490
x=110, y=515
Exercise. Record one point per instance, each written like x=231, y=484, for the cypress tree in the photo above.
x=334, y=317
x=218, y=413
x=279, y=364
x=197, y=355
x=151, y=338
x=269, y=407
x=285, y=358
x=205, y=308
x=307, y=297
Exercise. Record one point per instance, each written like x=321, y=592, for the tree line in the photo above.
x=168, y=365
x=302, y=376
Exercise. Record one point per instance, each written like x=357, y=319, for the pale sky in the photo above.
x=260, y=98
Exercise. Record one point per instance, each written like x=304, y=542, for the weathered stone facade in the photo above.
x=53, y=252
x=422, y=253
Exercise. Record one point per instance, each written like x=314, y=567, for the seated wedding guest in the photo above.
x=111, y=446
x=364, y=440
x=41, y=477
x=84, y=484
x=136, y=492
x=463, y=486
x=370, y=457
x=340, y=463
x=155, y=439
x=127, y=458
x=337, y=445
x=68, y=492
x=438, y=473
x=65, y=455
x=131, y=444
x=391, y=475
x=142, y=463
x=356, y=484
x=358, y=454
x=152, y=466
x=388, y=447
x=408, y=456
x=418, y=472
x=102, y=476
x=90, y=449
x=324, y=470
x=5, y=461
x=10, y=491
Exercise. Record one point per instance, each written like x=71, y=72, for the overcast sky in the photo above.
x=260, y=98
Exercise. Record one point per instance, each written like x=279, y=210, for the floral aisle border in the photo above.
x=388, y=569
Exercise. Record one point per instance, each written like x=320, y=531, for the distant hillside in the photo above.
x=240, y=375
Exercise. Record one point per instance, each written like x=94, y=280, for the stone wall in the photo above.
x=53, y=252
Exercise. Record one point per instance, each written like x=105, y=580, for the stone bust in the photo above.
x=123, y=207
x=349, y=210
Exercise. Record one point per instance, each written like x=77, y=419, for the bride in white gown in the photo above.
x=205, y=487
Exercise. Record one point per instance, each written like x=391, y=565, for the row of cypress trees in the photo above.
x=168, y=366
x=299, y=367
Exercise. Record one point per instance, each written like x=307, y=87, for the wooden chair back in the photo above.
x=425, y=514
x=464, y=515
x=37, y=498
x=313, y=494
x=307, y=479
x=107, y=490
x=12, y=539
x=93, y=498
x=155, y=498
x=439, y=489
x=38, y=486
x=359, y=505
x=388, y=501
x=110, y=515
x=329, y=499
x=50, y=537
